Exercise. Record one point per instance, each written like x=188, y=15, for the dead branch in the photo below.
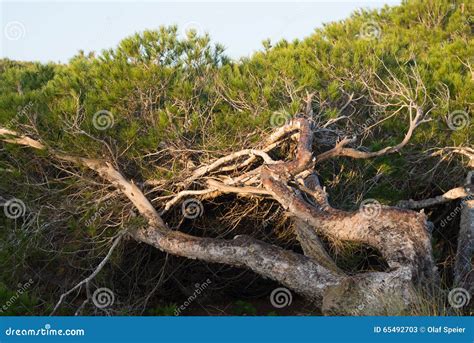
x=453, y=194
x=341, y=150
x=400, y=235
x=96, y=271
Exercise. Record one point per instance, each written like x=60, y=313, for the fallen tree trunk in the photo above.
x=400, y=235
x=463, y=267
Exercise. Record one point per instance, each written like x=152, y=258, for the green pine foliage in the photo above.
x=165, y=90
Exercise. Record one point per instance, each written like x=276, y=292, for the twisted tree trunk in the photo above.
x=400, y=235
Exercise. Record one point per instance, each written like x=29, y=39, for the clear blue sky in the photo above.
x=55, y=31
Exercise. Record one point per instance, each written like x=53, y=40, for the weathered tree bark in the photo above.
x=400, y=235
x=453, y=194
x=463, y=267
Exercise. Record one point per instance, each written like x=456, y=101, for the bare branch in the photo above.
x=453, y=194
x=94, y=273
x=341, y=150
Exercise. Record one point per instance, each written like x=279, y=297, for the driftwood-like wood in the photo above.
x=400, y=235
x=463, y=267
